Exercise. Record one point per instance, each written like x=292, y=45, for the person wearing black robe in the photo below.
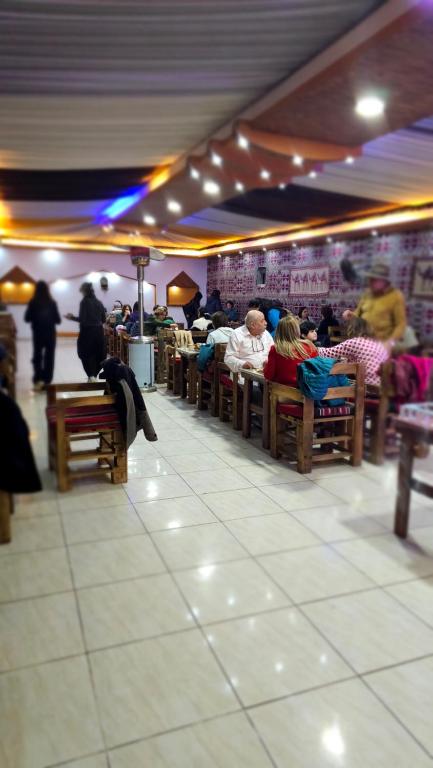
x=43, y=315
x=91, y=341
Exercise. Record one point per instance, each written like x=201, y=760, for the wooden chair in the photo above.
x=336, y=334
x=164, y=336
x=172, y=360
x=378, y=419
x=319, y=434
x=229, y=397
x=88, y=417
x=208, y=382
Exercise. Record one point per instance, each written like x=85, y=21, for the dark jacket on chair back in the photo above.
x=130, y=405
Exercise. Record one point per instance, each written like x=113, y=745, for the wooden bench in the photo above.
x=319, y=434
x=208, y=382
x=86, y=417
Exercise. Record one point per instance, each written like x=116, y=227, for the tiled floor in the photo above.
x=217, y=611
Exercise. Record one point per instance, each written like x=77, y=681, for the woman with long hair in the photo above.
x=91, y=342
x=43, y=315
x=288, y=351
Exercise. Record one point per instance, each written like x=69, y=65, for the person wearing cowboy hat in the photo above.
x=381, y=305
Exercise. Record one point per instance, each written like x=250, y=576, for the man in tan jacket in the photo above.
x=381, y=305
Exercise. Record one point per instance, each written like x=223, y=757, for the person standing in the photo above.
x=213, y=303
x=43, y=315
x=91, y=342
x=381, y=306
x=191, y=309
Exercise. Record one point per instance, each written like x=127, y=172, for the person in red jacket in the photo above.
x=288, y=352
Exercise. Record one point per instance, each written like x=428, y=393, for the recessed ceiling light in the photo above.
x=370, y=107
x=264, y=250
x=194, y=173
x=243, y=142
x=329, y=239
x=297, y=160
x=216, y=159
x=281, y=186
x=107, y=227
x=149, y=220
x=313, y=175
x=240, y=253
x=349, y=160
x=211, y=187
x=374, y=232
x=239, y=187
x=264, y=174
x=173, y=206
x=219, y=255
x=294, y=245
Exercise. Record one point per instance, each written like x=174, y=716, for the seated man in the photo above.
x=249, y=345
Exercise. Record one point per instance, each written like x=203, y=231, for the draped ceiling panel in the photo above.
x=133, y=83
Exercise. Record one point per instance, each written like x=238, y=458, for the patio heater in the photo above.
x=141, y=347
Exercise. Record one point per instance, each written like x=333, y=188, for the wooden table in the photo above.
x=188, y=373
x=251, y=376
x=415, y=441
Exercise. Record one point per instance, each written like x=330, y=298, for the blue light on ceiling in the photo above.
x=123, y=203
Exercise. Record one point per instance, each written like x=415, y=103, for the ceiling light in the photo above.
x=107, y=227
x=370, y=107
x=374, y=232
x=264, y=174
x=219, y=255
x=264, y=250
x=194, y=173
x=329, y=239
x=239, y=187
x=211, y=188
x=349, y=160
x=297, y=160
x=149, y=220
x=243, y=142
x=313, y=175
x=240, y=253
x=216, y=159
x=281, y=186
x=51, y=255
x=294, y=245
x=173, y=206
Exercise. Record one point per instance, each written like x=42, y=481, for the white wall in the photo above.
x=68, y=267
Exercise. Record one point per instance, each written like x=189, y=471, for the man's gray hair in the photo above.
x=253, y=316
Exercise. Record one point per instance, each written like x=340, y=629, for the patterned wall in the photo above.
x=235, y=275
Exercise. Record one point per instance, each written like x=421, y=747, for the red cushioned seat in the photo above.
x=371, y=404
x=226, y=381
x=91, y=418
x=289, y=409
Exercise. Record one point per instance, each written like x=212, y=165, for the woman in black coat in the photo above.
x=43, y=315
x=191, y=309
x=91, y=341
x=213, y=303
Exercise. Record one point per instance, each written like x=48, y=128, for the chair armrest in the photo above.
x=70, y=402
x=53, y=389
x=282, y=390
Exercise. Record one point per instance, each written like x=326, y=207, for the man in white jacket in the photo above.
x=249, y=345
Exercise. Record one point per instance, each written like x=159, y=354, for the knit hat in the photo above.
x=380, y=270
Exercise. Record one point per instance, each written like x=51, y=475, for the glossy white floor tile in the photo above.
x=340, y=726
x=314, y=573
x=114, y=560
x=166, y=610
x=273, y=654
x=131, y=610
x=197, y=545
x=228, y=590
x=226, y=742
x=159, y=685
x=48, y=714
x=174, y=513
x=33, y=631
x=407, y=691
x=271, y=533
x=371, y=630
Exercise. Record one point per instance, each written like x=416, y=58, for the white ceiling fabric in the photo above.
x=88, y=84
